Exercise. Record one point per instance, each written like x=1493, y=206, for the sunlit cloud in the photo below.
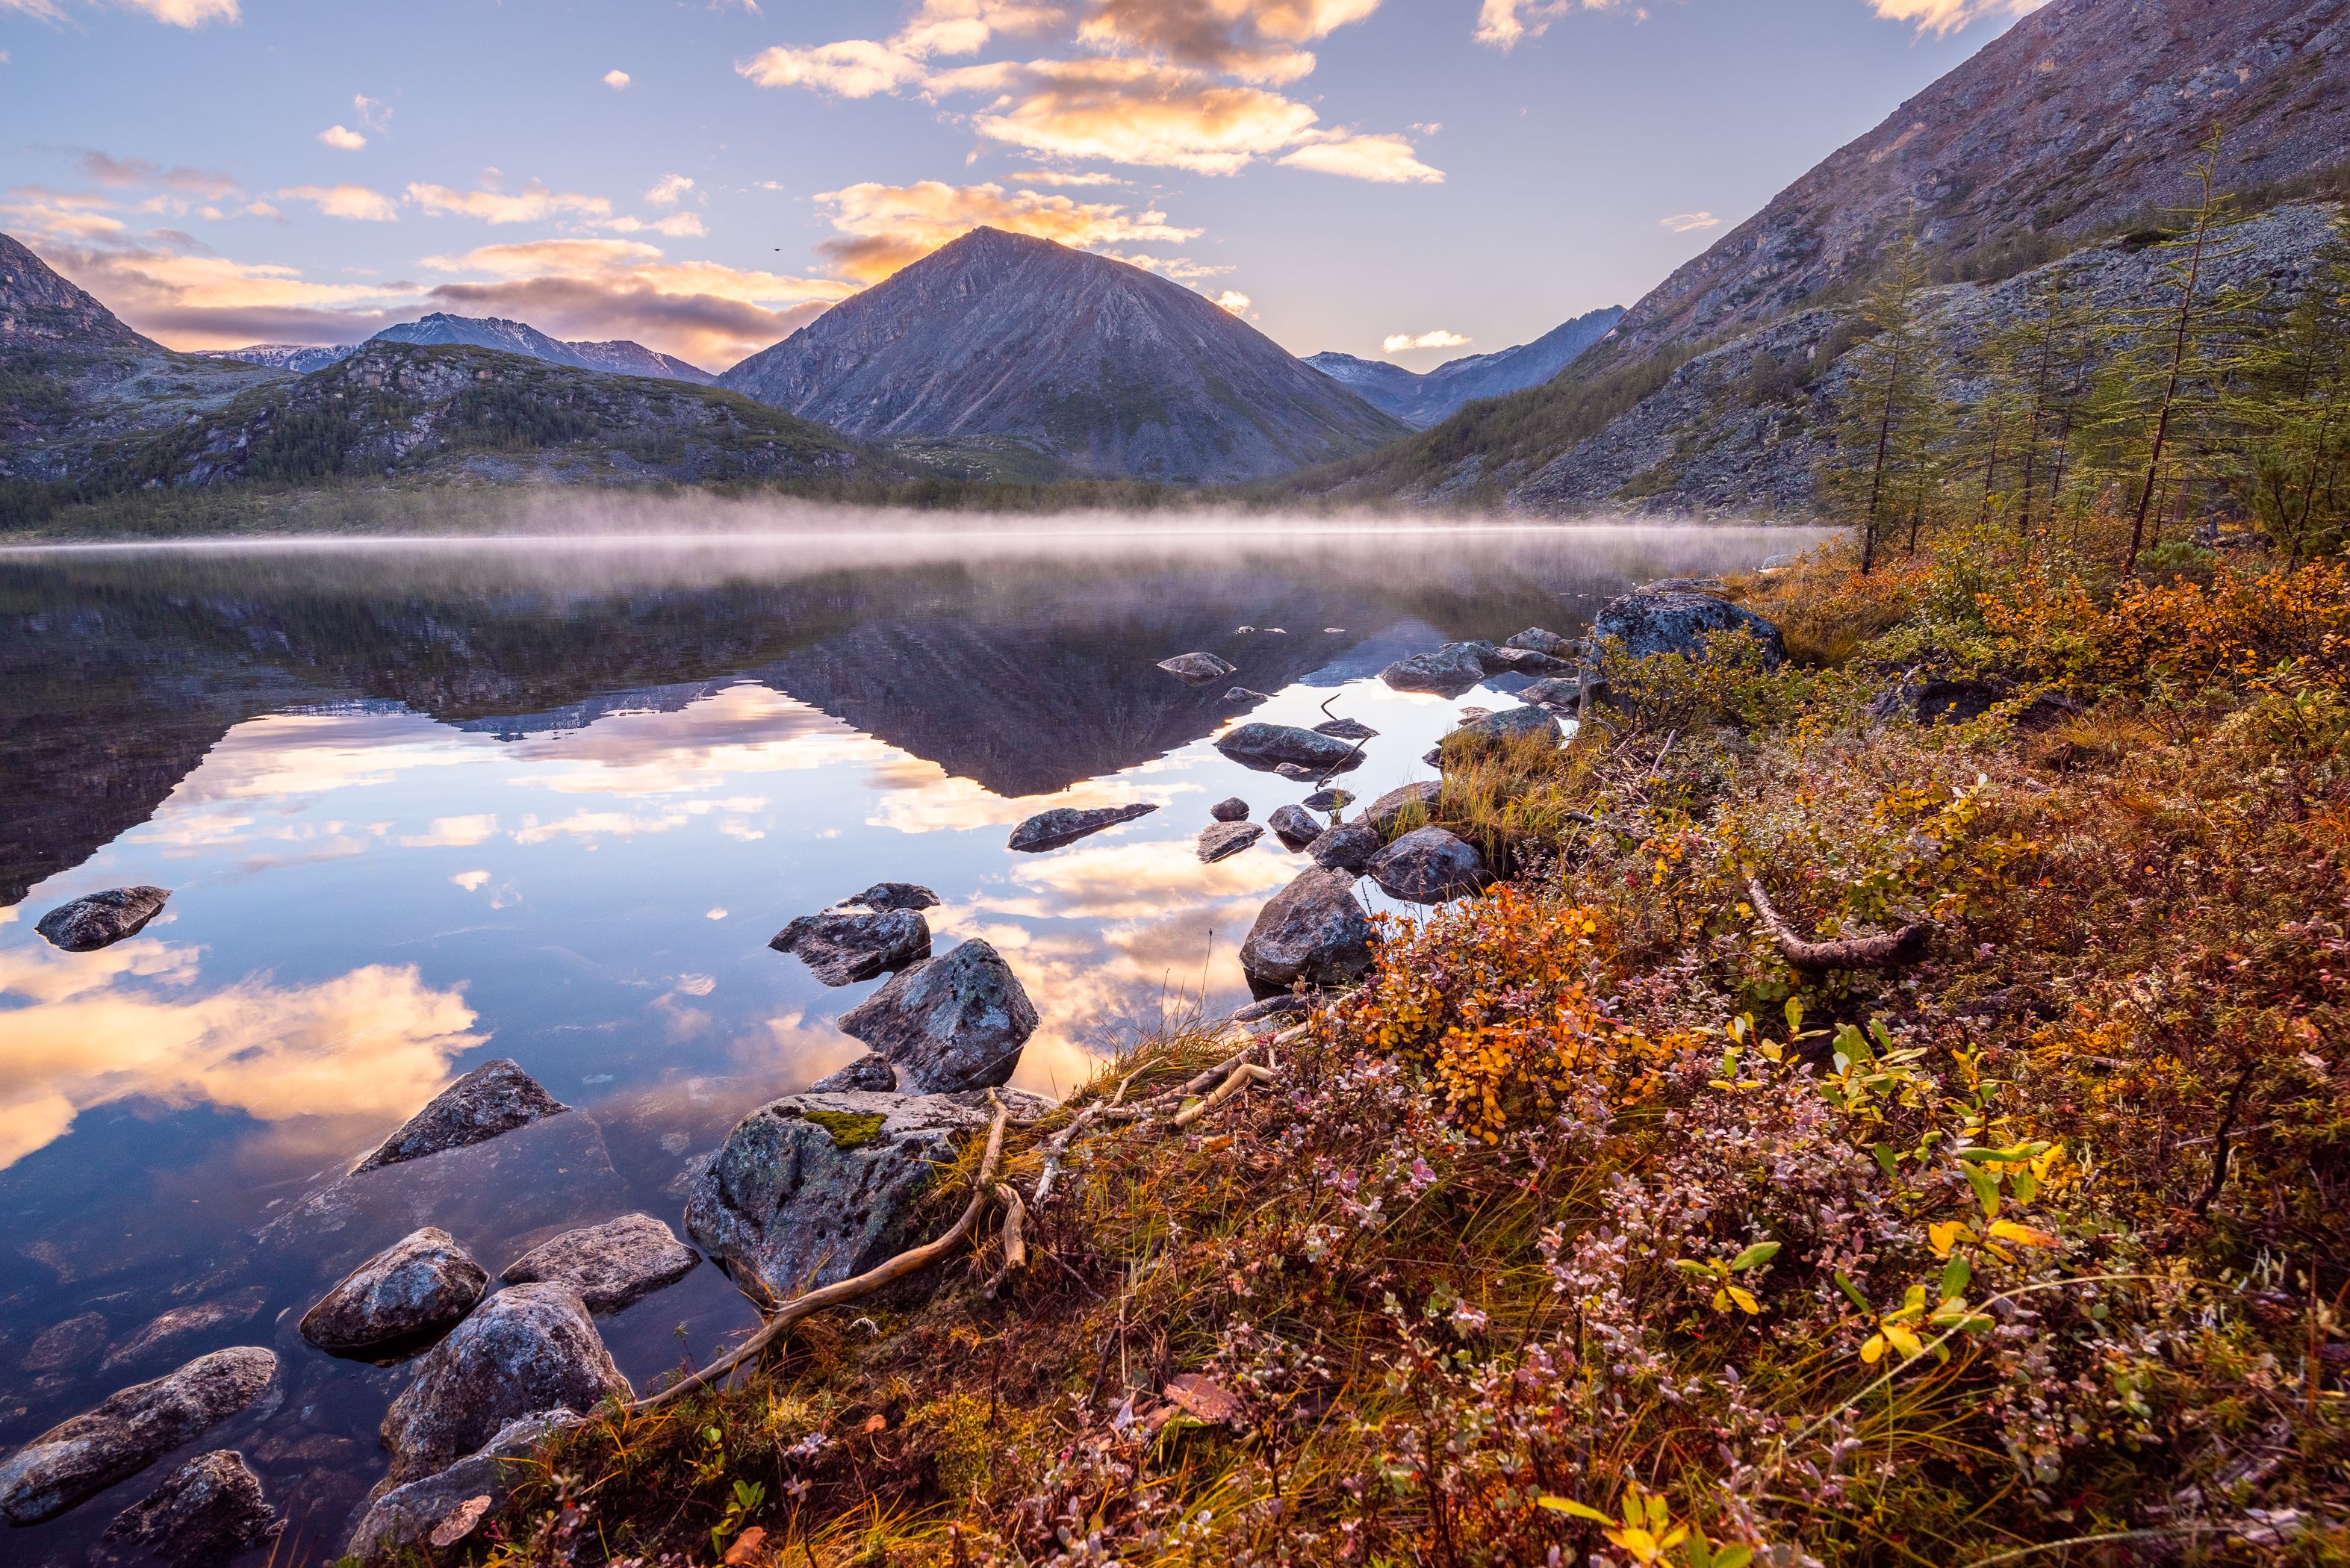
x=1234, y=300
x=676, y=225
x=1383, y=159
x=534, y=203
x=454, y=832
x=669, y=189
x=1505, y=23
x=356, y=203
x=342, y=139
x=177, y=13
x=590, y=826
x=617, y=80
x=372, y=112
x=124, y=173
x=208, y=301
x=1255, y=40
x=1684, y=223
x=471, y=880
x=1138, y=112
x=1396, y=343
x=885, y=227
x=1940, y=18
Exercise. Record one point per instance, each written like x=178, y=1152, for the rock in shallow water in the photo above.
x=1266, y=747
x=1428, y=865
x=66, y=1344
x=1346, y=848
x=529, y=1348
x=1525, y=661
x=101, y=919
x=416, y=1287
x=611, y=1265
x=1448, y=672
x=1348, y=730
x=1312, y=931
x=1294, y=826
x=1381, y=814
x=871, y=1072
x=1067, y=823
x=494, y=1097
x=405, y=1518
x=1510, y=723
x=77, y=1460
x=844, y=946
x=1221, y=840
x=1233, y=810
x=894, y=895
x=180, y=1322
x=953, y=1023
x=1562, y=692
x=1542, y=642
x=199, y=1516
x=1196, y=668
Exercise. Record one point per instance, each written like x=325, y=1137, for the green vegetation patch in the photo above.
x=849, y=1129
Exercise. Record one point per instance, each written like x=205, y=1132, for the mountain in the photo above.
x=620, y=356
x=38, y=307
x=2076, y=127
x=1114, y=371
x=1420, y=398
x=299, y=358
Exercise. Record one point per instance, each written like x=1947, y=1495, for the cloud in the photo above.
x=1385, y=159
x=178, y=13
x=471, y=880
x=1055, y=177
x=372, y=112
x=1137, y=112
x=534, y=204
x=213, y=302
x=1234, y=300
x=124, y=173
x=342, y=139
x=1253, y=40
x=885, y=227
x=617, y=80
x=677, y=226
x=1503, y=23
x=1684, y=223
x=356, y=203
x=855, y=67
x=1399, y=342
x=668, y=189
x=1940, y=18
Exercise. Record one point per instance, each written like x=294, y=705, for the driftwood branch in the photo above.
x=912, y=1261
x=1060, y=1144
x=1893, y=950
x=1016, y=1238
x=1242, y=1076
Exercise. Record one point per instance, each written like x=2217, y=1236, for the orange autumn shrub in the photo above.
x=2184, y=633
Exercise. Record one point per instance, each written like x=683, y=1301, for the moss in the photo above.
x=849, y=1129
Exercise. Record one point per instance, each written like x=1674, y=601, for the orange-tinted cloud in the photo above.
x=1941, y=17
x=1253, y=40
x=177, y=13
x=356, y=203
x=534, y=203
x=1383, y=159
x=885, y=227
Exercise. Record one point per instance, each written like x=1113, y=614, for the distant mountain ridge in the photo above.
x=619, y=357
x=299, y=358
x=1420, y=399
x=1115, y=371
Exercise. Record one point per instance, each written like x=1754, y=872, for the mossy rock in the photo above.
x=849, y=1129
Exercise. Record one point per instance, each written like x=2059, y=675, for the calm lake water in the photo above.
x=422, y=805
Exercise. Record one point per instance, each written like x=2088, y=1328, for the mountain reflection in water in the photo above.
x=420, y=806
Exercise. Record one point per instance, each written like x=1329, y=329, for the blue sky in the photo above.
x=704, y=177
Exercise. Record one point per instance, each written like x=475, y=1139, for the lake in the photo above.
x=425, y=804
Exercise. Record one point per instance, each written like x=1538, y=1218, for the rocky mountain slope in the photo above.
x=2082, y=120
x=1115, y=371
x=299, y=358
x=620, y=356
x=1420, y=398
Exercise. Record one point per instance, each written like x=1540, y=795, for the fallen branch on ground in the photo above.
x=1892, y=949
x=1242, y=1076
x=1016, y=1238
x=1060, y=1144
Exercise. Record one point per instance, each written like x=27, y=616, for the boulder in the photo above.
x=494, y=1097
x=1286, y=1006
x=1381, y=814
x=1525, y=661
x=1196, y=668
x=1221, y=839
x=411, y=1290
x=1265, y=747
x=1541, y=641
x=1067, y=823
x=870, y=1070
x=843, y=946
x=85, y=924
x=893, y=896
x=1348, y=730
x=1347, y=847
x=1446, y=672
x=811, y=1189
x=77, y=1460
x=1233, y=810
x=404, y=1519
x=1564, y=694
x=1312, y=931
x=199, y=1515
x=1294, y=826
x=180, y=1322
x=1298, y=773
x=1245, y=694
x=1328, y=800
x=948, y=1023
x=1428, y=865
x=1511, y=724
x=1667, y=618
x=529, y=1348
x=612, y=1265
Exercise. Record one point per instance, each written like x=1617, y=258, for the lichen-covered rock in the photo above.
x=1511, y=724
x=612, y=1265
x=199, y=1515
x=844, y=946
x=811, y=1189
x=1381, y=814
x=100, y=919
x=1294, y=826
x=1660, y=618
x=1542, y=642
x=405, y=1518
x=1196, y=668
x=1564, y=694
x=1428, y=865
x=1312, y=931
x=1067, y=823
x=871, y=1071
x=1221, y=839
x=1525, y=661
x=1233, y=810
x=1448, y=672
x=1267, y=747
x=494, y=1097
x=527, y=1349
x=418, y=1286
x=957, y=1021
x=1348, y=730
x=1347, y=847
x=77, y=1460
x=894, y=895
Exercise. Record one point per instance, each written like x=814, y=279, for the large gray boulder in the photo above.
x=1428, y=865
x=529, y=1348
x=415, y=1288
x=494, y=1097
x=100, y=919
x=1511, y=724
x=612, y=1265
x=1266, y=747
x=1347, y=847
x=1564, y=694
x=893, y=896
x=77, y=1460
x=403, y=1519
x=1294, y=826
x=1067, y=823
x=1525, y=661
x=1448, y=672
x=811, y=1189
x=1220, y=840
x=1196, y=668
x=844, y=946
x=870, y=1070
x=1664, y=619
x=953, y=1022
x=199, y=1515
x=1381, y=814
x=1312, y=931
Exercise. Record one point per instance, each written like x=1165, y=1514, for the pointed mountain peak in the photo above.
x=38, y=305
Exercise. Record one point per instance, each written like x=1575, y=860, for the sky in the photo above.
x=1413, y=180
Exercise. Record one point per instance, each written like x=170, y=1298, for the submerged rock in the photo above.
x=871, y=1071
x=1347, y=847
x=199, y=1515
x=494, y=1097
x=77, y=1460
x=100, y=919
x=1196, y=668
x=1233, y=810
x=529, y=1348
x=1428, y=865
x=1266, y=747
x=238, y=1306
x=1525, y=661
x=948, y=1023
x=1313, y=931
x=612, y=1265
x=1294, y=826
x=67, y=1344
x=1221, y=839
x=1328, y=800
x=1381, y=814
x=1448, y=672
x=405, y=1518
x=1665, y=617
x=416, y=1287
x=1542, y=642
x=811, y=1189
x=893, y=896
x=1067, y=823
x=1347, y=730
x=844, y=946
